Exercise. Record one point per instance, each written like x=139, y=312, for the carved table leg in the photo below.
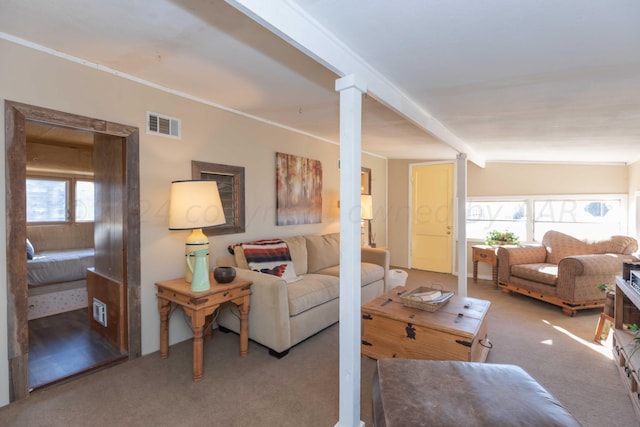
x=244, y=325
x=197, y=322
x=164, y=307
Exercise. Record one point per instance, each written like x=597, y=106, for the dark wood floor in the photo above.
x=63, y=346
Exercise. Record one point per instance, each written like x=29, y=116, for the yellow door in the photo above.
x=432, y=217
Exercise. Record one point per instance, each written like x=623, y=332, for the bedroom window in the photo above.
x=84, y=201
x=49, y=200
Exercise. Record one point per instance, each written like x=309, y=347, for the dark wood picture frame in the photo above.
x=230, y=181
x=365, y=181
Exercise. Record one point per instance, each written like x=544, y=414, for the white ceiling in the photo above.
x=541, y=80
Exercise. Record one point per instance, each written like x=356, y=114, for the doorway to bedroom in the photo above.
x=61, y=319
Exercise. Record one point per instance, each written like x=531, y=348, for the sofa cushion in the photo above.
x=331, y=271
x=298, y=250
x=369, y=272
x=324, y=251
x=313, y=290
x=540, y=272
x=241, y=260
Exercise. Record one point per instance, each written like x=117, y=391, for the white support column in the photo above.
x=462, y=223
x=350, y=165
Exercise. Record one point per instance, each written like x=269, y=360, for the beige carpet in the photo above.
x=302, y=388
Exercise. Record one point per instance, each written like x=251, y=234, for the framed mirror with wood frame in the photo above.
x=365, y=181
x=230, y=180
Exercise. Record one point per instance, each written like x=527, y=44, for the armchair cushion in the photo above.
x=560, y=245
x=541, y=272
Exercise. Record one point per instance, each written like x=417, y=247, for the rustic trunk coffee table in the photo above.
x=455, y=331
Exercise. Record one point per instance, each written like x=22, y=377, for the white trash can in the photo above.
x=397, y=278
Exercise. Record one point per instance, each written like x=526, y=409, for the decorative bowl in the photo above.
x=224, y=274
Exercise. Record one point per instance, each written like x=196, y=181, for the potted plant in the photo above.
x=498, y=238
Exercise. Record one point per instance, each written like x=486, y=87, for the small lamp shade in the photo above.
x=366, y=206
x=195, y=204
x=366, y=213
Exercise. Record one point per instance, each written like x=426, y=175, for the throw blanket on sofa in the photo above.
x=271, y=257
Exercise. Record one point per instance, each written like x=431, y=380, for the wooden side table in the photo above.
x=200, y=306
x=487, y=254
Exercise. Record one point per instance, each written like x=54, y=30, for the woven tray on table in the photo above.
x=409, y=299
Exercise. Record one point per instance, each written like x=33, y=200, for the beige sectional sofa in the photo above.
x=563, y=270
x=283, y=314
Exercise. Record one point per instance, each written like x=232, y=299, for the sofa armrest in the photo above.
x=592, y=264
x=377, y=256
x=518, y=255
x=268, y=313
x=580, y=275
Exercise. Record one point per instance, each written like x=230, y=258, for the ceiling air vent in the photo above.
x=163, y=125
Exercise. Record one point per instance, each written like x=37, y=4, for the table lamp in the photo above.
x=366, y=213
x=194, y=205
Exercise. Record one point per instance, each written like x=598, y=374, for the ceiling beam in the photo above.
x=285, y=19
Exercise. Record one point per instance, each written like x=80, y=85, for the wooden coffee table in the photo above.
x=456, y=331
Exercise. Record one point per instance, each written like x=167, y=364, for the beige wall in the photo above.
x=209, y=134
x=501, y=179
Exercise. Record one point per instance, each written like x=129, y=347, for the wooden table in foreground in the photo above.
x=456, y=331
x=200, y=306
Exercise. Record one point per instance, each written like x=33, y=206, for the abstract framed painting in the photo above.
x=299, y=190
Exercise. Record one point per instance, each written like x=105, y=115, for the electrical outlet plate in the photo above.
x=100, y=312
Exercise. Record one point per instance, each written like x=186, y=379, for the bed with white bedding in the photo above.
x=57, y=281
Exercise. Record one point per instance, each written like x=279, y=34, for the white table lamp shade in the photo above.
x=366, y=206
x=195, y=204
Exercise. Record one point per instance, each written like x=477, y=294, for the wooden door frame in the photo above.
x=17, y=115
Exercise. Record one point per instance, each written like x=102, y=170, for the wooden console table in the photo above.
x=200, y=306
x=487, y=254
